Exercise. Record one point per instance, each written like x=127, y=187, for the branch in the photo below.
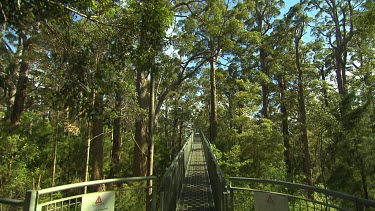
x=185, y=4
x=176, y=83
x=5, y=17
x=92, y=18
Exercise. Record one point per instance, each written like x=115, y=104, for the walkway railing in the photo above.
x=256, y=194
x=125, y=193
x=171, y=183
x=216, y=175
x=11, y=204
x=241, y=194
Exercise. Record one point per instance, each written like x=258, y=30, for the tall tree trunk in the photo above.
x=117, y=139
x=174, y=150
x=264, y=83
x=324, y=89
x=141, y=148
x=302, y=115
x=213, y=113
x=151, y=124
x=342, y=16
x=181, y=130
x=10, y=83
x=20, y=96
x=264, y=68
x=55, y=149
x=285, y=130
x=97, y=143
x=87, y=163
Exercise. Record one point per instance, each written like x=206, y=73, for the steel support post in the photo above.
x=31, y=200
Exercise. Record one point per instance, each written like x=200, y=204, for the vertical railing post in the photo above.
x=161, y=200
x=30, y=200
x=358, y=205
x=154, y=197
x=231, y=199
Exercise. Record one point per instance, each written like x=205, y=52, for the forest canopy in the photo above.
x=93, y=90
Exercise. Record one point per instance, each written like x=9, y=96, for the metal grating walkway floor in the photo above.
x=196, y=191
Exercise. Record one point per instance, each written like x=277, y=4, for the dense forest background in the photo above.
x=102, y=89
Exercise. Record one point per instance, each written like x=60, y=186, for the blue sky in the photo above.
x=288, y=4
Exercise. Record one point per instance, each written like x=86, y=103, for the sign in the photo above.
x=270, y=202
x=99, y=201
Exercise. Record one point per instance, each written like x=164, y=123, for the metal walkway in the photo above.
x=196, y=191
x=193, y=182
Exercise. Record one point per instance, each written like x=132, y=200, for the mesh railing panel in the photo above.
x=171, y=183
x=298, y=197
x=216, y=175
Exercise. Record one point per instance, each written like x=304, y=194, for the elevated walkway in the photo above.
x=196, y=193
x=194, y=181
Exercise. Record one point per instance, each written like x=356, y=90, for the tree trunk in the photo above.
x=151, y=124
x=174, y=150
x=181, y=130
x=97, y=142
x=264, y=83
x=117, y=139
x=213, y=113
x=324, y=89
x=20, y=96
x=87, y=154
x=55, y=149
x=285, y=129
x=302, y=115
x=263, y=67
x=10, y=83
x=140, y=150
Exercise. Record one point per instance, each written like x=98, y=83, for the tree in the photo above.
x=261, y=15
x=299, y=28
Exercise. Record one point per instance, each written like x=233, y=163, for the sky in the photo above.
x=288, y=4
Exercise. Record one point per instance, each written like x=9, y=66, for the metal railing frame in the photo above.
x=12, y=202
x=216, y=175
x=173, y=178
x=171, y=185
x=32, y=196
x=359, y=203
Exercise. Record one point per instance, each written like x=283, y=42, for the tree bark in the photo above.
x=151, y=124
x=285, y=130
x=324, y=89
x=10, y=84
x=141, y=146
x=20, y=96
x=213, y=113
x=302, y=115
x=117, y=139
x=97, y=142
x=264, y=83
x=87, y=154
x=264, y=68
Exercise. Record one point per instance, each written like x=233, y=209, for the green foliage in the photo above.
x=256, y=152
x=81, y=49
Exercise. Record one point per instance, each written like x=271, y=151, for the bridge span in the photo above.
x=193, y=182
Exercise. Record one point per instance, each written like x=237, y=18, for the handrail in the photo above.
x=216, y=175
x=15, y=202
x=357, y=200
x=91, y=183
x=306, y=187
x=33, y=200
x=171, y=183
